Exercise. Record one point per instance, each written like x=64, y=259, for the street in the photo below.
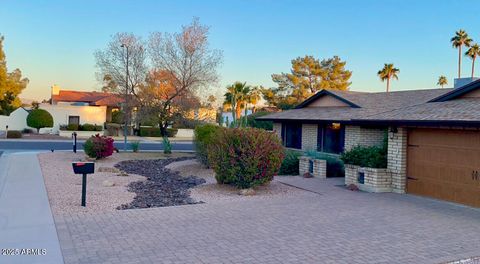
x=67, y=145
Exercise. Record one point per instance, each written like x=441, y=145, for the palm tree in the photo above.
x=236, y=98
x=473, y=52
x=460, y=39
x=442, y=81
x=388, y=72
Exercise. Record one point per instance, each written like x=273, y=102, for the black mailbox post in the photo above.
x=83, y=168
x=74, y=141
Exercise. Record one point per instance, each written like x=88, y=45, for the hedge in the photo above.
x=204, y=136
x=155, y=132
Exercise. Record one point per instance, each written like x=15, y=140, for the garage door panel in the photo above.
x=444, y=164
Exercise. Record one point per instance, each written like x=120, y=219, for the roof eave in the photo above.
x=322, y=93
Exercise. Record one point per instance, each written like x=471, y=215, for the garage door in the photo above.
x=444, y=164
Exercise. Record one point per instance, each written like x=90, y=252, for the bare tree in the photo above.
x=187, y=60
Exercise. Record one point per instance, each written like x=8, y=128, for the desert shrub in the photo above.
x=335, y=166
x=135, y=145
x=14, y=134
x=187, y=123
x=98, y=147
x=167, y=147
x=372, y=157
x=290, y=163
x=39, y=118
x=87, y=127
x=73, y=127
x=245, y=157
x=203, y=138
x=251, y=122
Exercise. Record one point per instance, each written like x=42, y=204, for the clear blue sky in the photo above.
x=53, y=41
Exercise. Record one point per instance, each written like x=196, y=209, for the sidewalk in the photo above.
x=26, y=221
x=117, y=139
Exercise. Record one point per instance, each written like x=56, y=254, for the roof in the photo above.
x=92, y=98
x=362, y=104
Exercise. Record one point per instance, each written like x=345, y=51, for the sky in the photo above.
x=53, y=42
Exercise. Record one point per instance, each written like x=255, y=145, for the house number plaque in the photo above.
x=475, y=175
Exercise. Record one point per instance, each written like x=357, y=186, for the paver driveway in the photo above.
x=335, y=226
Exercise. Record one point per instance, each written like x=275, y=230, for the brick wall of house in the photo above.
x=309, y=136
x=356, y=135
x=397, y=159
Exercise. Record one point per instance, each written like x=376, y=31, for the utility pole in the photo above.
x=126, y=114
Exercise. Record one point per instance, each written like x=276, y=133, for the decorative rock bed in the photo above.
x=163, y=186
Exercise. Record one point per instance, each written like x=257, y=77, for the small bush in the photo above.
x=187, y=123
x=204, y=136
x=150, y=132
x=39, y=118
x=167, y=147
x=27, y=131
x=135, y=145
x=251, y=122
x=117, y=117
x=172, y=132
x=98, y=147
x=14, y=134
x=245, y=157
x=335, y=166
x=290, y=163
x=73, y=127
x=372, y=157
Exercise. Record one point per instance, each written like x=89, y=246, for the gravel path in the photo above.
x=163, y=186
x=65, y=188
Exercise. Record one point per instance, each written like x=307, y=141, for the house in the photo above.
x=433, y=136
x=78, y=107
x=17, y=120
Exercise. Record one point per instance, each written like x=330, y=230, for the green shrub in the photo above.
x=98, y=147
x=204, y=136
x=87, y=127
x=27, y=131
x=245, y=157
x=73, y=127
x=187, y=123
x=335, y=165
x=135, y=145
x=290, y=163
x=117, y=117
x=14, y=134
x=167, y=147
x=172, y=132
x=150, y=132
x=372, y=157
x=251, y=122
x=39, y=118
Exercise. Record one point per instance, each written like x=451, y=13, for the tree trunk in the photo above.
x=388, y=85
x=238, y=111
x=459, y=60
x=473, y=67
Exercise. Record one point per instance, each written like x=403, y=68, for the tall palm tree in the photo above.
x=460, y=39
x=388, y=72
x=236, y=98
x=473, y=52
x=442, y=81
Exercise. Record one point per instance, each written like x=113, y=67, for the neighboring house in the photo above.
x=77, y=107
x=433, y=136
x=17, y=120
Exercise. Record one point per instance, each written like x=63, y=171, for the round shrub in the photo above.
x=39, y=118
x=245, y=157
x=372, y=157
x=252, y=122
x=98, y=147
x=204, y=136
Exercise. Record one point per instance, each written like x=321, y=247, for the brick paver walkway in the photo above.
x=335, y=226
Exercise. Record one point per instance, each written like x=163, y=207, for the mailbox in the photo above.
x=83, y=167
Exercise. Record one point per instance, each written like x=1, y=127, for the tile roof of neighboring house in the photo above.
x=363, y=104
x=92, y=98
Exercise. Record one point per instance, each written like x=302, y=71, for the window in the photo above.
x=73, y=120
x=331, y=138
x=292, y=135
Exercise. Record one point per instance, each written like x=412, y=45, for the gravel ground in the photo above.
x=64, y=188
x=163, y=186
x=211, y=192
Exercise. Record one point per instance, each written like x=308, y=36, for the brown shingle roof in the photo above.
x=370, y=104
x=92, y=98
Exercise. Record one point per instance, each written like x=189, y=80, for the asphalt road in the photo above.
x=67, y=145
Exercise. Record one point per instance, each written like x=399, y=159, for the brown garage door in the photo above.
x=444, y=164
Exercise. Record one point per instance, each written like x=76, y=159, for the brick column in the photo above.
x=277, y=129
x=309, y=136
x=397, y=159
